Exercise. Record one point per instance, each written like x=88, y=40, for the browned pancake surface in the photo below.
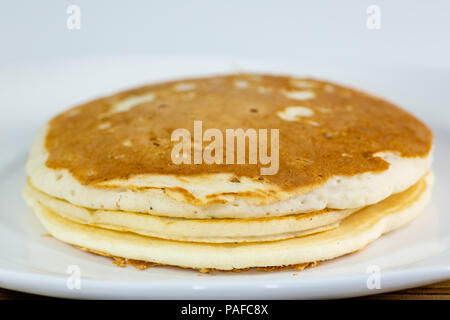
x=347, y=128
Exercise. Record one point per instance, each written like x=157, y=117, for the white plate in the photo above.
x=415, y=255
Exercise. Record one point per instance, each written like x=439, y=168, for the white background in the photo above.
x=412, y=32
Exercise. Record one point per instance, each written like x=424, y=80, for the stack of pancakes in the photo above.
x=351, y=167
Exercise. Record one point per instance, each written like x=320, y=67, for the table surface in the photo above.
x=437, y=291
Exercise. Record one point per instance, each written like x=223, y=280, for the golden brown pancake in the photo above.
x=350, y=122
x=338, y=148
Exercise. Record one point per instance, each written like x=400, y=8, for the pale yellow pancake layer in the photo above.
x=200, y=230
x=355, y=232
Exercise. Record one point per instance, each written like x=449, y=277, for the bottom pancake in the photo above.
x=142, y=265
x=353, y=234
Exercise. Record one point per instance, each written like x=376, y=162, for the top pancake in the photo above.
x=118, y=148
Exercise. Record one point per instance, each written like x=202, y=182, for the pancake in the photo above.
x=337, y=169
x=339, y=148
x=355, y=232
x=197, y=230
